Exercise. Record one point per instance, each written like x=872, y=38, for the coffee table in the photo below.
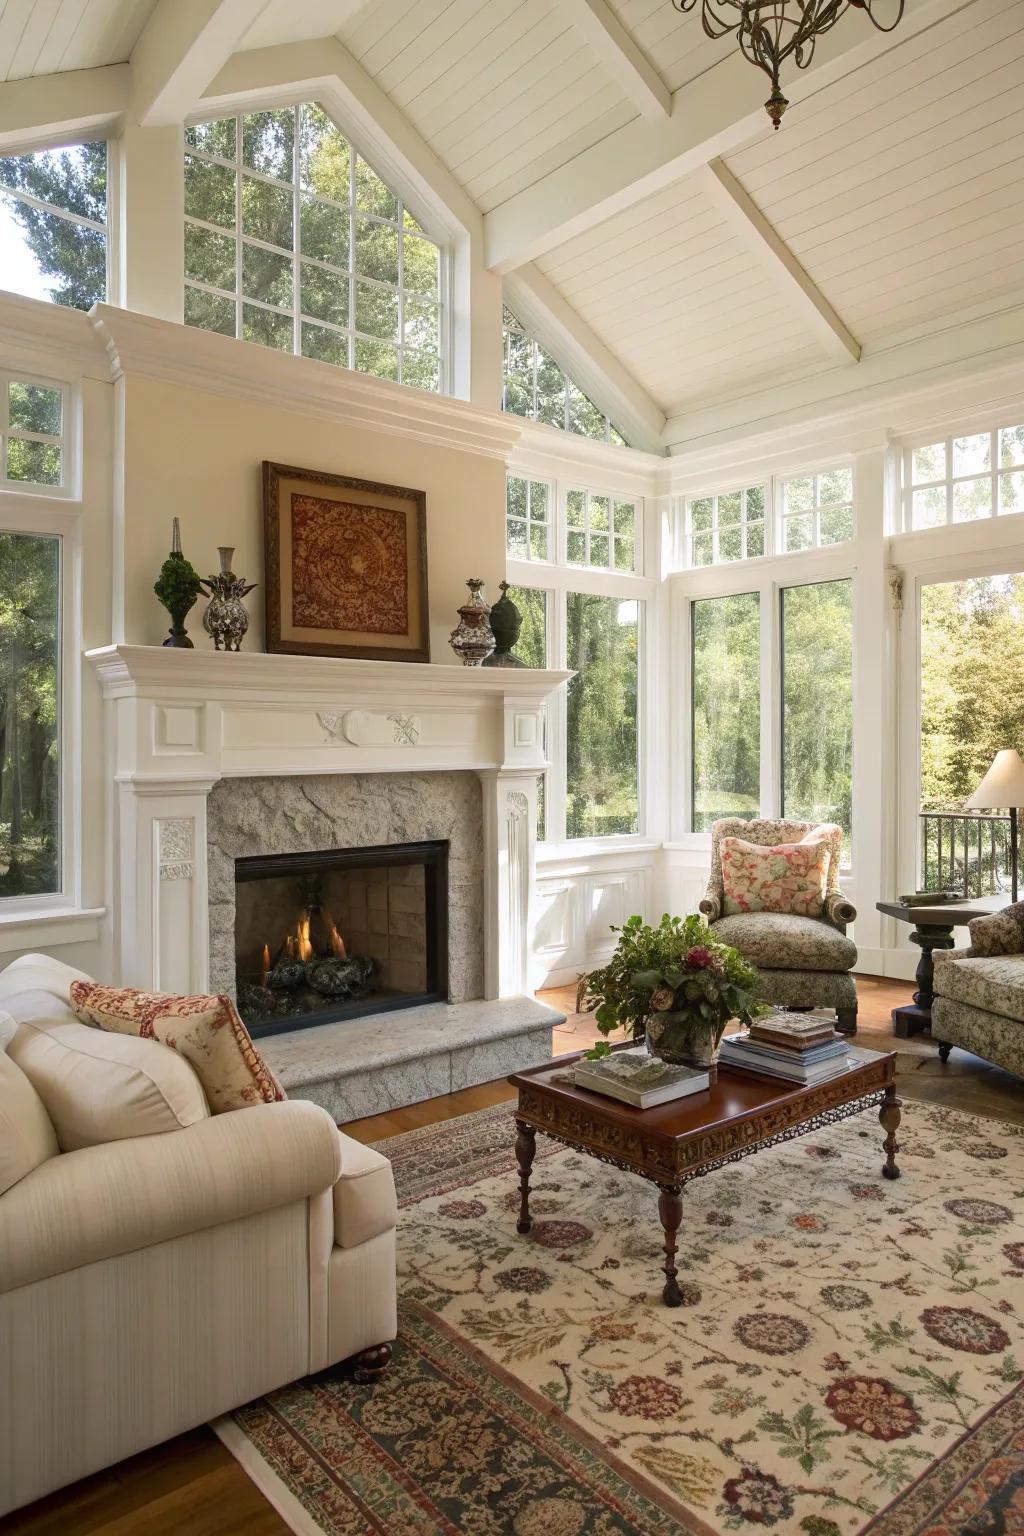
x=739, y=1114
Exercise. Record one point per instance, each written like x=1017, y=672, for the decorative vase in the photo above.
x=684, y=1039
x=472, y=639
x=226, y=619
x=506, y=623
x=177, y=587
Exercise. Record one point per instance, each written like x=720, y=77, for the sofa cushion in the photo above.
x=364, y=1196
x=994, y=983
x=206, y=1031
x=27, y=1137
x=98, y=1087
x=787, y=877
x=783, y=942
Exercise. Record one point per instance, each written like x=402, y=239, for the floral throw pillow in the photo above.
x=789, y=877
x=206, y=1031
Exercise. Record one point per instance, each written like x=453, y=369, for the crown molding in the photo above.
x=49, y=338
x=545, y=450
x=142, y=346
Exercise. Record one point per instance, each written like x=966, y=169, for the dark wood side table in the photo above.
x=932, y=930
x=740, y=1113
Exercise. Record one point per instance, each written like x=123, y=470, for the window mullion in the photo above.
x=771, y=699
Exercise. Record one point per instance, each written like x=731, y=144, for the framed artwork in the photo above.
x=346, y=566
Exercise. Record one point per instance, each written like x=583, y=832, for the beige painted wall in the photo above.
x=198, y=456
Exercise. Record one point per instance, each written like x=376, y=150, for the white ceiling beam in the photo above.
x=763, y=241
x=713, y=115
x=47, y=110
x=180, y=49
x=535, y=300
x=625, y=62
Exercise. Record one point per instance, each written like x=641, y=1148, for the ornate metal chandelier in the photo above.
x=771, y=31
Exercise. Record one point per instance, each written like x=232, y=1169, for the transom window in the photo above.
x=535, y=386
x=961, y=479
x=53, y=224
x=528, y=527
x=31, y=433
x=729, y=526
x=600, y=530
x=817, y=509
x=292, y=240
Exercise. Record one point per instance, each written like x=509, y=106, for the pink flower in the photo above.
x=700, y=958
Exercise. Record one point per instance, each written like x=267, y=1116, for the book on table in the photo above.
x=794, y=1032
x=816, y=1064
x=633, y=1077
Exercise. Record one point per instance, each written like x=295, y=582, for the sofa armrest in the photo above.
x=93, y=1204
x=711, y=904
x=365, y=1204
x=838, y=909
x=999, y=933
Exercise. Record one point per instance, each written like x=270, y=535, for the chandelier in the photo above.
x=770, y=31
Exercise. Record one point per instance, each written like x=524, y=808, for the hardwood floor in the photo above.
x=191, y=1486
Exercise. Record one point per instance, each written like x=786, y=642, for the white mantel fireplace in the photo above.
x=180, y=722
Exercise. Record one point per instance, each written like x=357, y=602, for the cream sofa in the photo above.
x=152, y=1282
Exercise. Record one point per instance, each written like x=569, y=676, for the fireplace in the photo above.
x=340, y=933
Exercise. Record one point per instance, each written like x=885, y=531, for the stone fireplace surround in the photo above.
x=213, y=756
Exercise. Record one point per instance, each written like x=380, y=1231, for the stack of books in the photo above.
x=634, y=1078
x=795, y=1047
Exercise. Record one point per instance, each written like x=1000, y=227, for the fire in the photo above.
x=337, y=943
x=305, y=948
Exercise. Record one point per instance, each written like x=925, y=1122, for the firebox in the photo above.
x=341, y=933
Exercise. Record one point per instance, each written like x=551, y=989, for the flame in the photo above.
x=337, y=942
x=305, y=948
x=266, y=965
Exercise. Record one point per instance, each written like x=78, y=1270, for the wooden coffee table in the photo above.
x=737, y=1115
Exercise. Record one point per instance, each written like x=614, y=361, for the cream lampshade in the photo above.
x=1003, y=787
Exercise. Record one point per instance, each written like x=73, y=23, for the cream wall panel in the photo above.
x=197, y=456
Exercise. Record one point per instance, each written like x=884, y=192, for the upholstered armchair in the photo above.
x=802, y=962
x=979, y=992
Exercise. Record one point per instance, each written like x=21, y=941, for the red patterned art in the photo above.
x=349, y=566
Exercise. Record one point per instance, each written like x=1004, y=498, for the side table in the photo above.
x=932, y=929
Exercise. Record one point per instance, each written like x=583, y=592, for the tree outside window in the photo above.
x=817, y=703
x=53, y=216
x=726, y=719
x=602, y=647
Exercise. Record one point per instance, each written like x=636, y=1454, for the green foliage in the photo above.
x=726, y=708
x=75, y=180
x=675, y=968
x=603, y=635
x=177, y=586
x=803, y=1438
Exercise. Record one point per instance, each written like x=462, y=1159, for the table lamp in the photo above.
x=1003, y=786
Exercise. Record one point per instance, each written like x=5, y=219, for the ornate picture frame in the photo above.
x=345, y=566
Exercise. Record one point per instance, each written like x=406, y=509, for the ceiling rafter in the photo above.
x=180, y=49
x=713, y=115
x=746, y=219
x=624, y=60
x=46, y=110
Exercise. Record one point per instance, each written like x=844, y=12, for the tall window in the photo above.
x=532, y=650
x=292, y=240
x=726, y=731
x=537, y=387
x=30, y=713
x=602, y=647
x=53, y=224
x=31, y=433
x=961, y=479
x=817, y=702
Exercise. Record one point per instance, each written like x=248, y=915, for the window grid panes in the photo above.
x=816, y=510
x=600, y=530
x=53, y=224
x=528, y=531
x=30, y=746
x=31, y=434
x=293, y=241
x=816, y=635
x=535, y=386
x=729, y=526
x=962, y=479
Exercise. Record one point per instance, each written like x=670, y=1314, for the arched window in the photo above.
x=535, y=386
x=292, y=240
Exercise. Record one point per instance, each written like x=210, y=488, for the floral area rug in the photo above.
x=849, y=1358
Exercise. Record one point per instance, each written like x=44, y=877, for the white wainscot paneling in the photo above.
x=575, y=911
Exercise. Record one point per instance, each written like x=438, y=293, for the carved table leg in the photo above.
x=916, y=1017
x=889, y=1116
x=670, y=1209
x=526, y=1146
x=370, y=1364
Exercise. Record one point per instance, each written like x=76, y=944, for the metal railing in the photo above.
x=964, y=852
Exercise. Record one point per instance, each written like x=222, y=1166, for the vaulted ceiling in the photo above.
x=620, y=157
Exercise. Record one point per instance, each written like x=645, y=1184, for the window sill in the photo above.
x=583, y=850
x=41, y=927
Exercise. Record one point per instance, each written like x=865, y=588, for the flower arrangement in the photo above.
x=675, y=984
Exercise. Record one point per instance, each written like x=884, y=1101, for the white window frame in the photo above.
x=764, y=486
x=62, y=440
x=529, y=522
x=105, y=229
x=347, y=276
x=44, y=517
x=589, y=492
x=556, y=578
x=995, y=474
x=775, y=515
x=510, y=322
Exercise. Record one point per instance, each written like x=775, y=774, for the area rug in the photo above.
x=848, y=1360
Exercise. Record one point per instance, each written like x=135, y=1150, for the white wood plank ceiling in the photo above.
x=42, y=37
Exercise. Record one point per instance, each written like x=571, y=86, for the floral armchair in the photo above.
x=802, y=962
x=979, y=992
